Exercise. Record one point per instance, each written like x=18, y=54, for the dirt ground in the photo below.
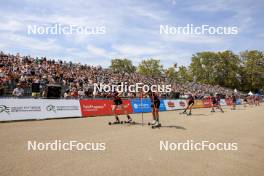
x=135, y=149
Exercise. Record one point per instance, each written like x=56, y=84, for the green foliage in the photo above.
x=244, y=72
x=171, y=74
x=252, y=69
x=122, y=66
x=184, y=74
x=150, y=67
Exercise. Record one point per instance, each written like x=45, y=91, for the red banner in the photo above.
x=127, y=106
x=102, y=107
x=207, y=103
x=229, y=101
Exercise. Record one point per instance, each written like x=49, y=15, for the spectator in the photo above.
x=79, y=79
x=18, y=91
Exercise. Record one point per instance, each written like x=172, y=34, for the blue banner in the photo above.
x=144, y=105
x=162, y=106
x=140, y=105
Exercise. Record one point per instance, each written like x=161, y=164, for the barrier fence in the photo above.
x=24, y=109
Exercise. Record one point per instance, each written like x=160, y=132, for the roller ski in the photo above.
x=116, y=122
x=189, y=114
x=130, y=121
x=152, y=123
x=156, y=125
x=184, y=112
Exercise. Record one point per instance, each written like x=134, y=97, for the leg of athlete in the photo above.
x=126, y=113
x=190, y=112
x=114, y=112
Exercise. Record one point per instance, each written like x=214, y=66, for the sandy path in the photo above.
x=135, y=150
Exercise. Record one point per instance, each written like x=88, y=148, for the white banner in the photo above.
x=175, y=104
x=223, y=102
x=21, y=109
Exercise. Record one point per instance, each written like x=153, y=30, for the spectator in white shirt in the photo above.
x=18, y=91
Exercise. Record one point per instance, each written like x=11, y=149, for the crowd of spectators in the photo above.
x=19, y=73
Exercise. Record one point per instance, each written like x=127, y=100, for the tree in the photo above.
x=202, y=67
x=228, y=66
x=171, y=74
x=184, y=74
x=252, y=70
x=122, y=66
x=220, y=68
x=150, y=67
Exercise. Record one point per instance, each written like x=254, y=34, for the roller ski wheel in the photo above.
x=156, y=126
x=182, y=113
x=130, y=122
x=150, y=124
x=115, y=123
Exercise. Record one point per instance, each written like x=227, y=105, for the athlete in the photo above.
x=245, y=101
x=155, y=104
x=233, y=102
x=216, y=103
x=257, y=100
x=117, y=103
x=190, y=105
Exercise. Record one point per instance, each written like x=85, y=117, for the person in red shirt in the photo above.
x=190, y=105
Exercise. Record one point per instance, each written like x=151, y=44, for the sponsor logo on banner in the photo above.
x=174, y=104
x=12, y=109
x=54, y=108
x=5, y=109
x=171, y=104
x=182, y=103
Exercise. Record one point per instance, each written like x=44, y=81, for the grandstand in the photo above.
x=77, y=80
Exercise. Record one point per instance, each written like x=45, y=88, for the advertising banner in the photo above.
x=22, y=109
x=141, y=105
x=198, y=104
x=95, y=107
x=102, y=107
x=228, y=101
x=162, y=105
x=175, y=104
x=207, y=103
x=238, y=101
x=223, y=102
